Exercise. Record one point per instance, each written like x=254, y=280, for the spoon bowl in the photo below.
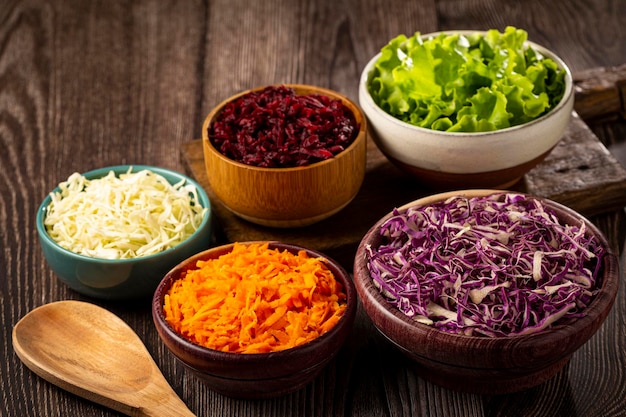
x=92, y=353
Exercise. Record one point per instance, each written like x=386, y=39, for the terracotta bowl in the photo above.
x=262, y=375
x=117, y=279
x=480, y=364
x=288, y=197
x=451, y=160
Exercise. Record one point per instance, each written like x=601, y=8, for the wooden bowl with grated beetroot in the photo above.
x=285, y=155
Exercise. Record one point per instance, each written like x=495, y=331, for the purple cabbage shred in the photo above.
x=494, y=266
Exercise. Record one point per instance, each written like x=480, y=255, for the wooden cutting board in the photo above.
x=580, y=172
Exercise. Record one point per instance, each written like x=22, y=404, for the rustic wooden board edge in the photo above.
x=600, y=93
x=591, y=180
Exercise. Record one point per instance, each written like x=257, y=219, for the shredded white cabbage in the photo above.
x=127, y=216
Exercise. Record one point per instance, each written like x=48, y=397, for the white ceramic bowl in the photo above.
x=452, y=160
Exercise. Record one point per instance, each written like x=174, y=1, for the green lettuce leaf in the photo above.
x=460, y=83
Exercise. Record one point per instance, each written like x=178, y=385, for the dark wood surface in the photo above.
x=87, y=84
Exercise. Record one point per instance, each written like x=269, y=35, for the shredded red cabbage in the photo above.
x=499, y=265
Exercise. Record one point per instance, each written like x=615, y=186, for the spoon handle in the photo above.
x=171, y=406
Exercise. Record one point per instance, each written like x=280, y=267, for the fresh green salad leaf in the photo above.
x=465, y=83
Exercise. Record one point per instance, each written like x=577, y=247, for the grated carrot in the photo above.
x=255, y=300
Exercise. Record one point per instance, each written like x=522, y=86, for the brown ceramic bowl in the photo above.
x=262, y=375
x=478, y=364
x=288, y=197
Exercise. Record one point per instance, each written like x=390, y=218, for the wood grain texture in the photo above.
x=601, y=93
x=91, y=84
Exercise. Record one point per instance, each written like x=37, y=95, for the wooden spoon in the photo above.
x=92, y=353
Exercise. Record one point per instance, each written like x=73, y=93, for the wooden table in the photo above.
x=87, y=84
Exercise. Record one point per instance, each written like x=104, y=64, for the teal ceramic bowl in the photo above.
x=122, y=278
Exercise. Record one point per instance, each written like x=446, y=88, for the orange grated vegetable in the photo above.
x=255, y=300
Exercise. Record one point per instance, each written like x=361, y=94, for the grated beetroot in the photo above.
x=277, y=128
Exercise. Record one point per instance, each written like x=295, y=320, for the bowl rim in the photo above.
x=598, y=309
x=568, y=94
x=309, y=347
x=356, y=110
x=118, y=169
